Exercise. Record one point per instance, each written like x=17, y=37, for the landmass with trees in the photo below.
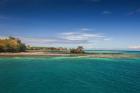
x=12, y=44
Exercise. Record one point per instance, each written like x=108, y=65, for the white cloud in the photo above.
x=70, y=39
x=135, y=47
x=106, y=12
x=82, y=36
x=85, y=29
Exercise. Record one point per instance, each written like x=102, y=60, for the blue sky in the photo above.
x=94, y=24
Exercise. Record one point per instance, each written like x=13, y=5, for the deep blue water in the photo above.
x=69, y=75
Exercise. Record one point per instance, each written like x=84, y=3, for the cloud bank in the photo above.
x=67, y=39
x=136, y=47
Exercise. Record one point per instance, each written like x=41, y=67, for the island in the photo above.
x=13, y=47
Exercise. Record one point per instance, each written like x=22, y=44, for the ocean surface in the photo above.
x=113, y=51
x=69, y=75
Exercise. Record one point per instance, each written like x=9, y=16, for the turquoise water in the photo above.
x=69, y=75
x=113, y=51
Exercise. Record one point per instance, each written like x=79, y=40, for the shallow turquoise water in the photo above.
x=113, y=51
x=69, y=75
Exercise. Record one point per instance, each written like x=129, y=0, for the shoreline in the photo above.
x=47, y=54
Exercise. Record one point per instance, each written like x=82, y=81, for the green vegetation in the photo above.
x=78, y=50
x=12, y=44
